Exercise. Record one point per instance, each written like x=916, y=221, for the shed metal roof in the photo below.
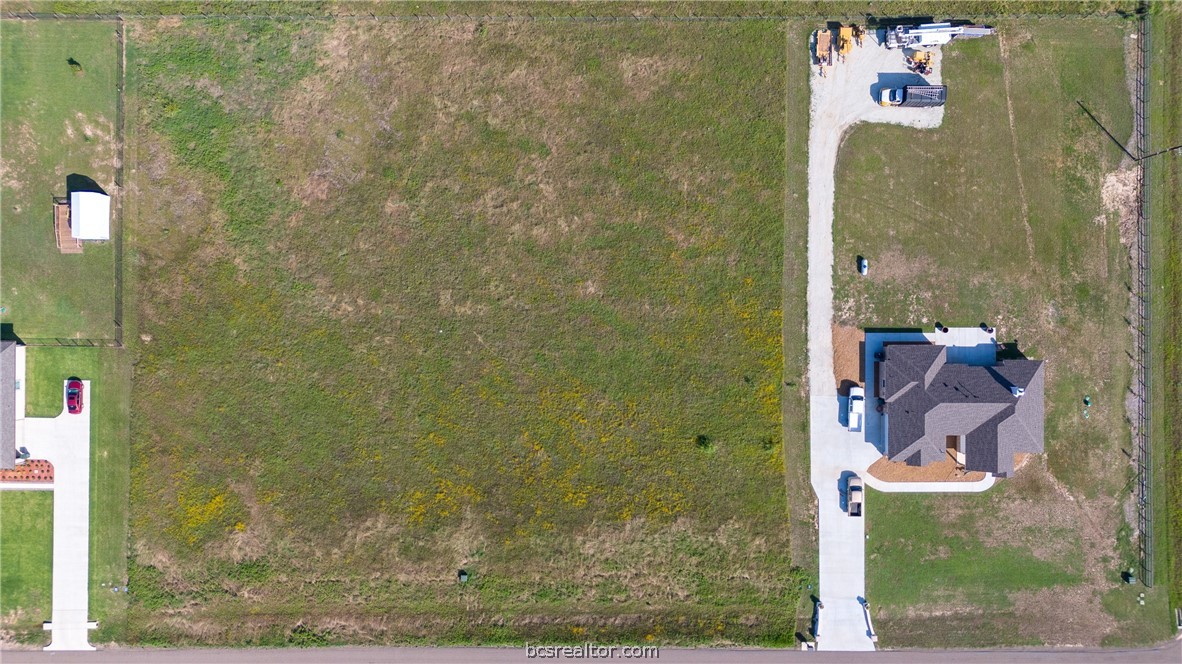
x=90, y=215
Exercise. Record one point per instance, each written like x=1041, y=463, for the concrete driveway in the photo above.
x=65, y=441
x=843, y=98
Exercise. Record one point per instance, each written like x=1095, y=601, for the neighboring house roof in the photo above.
x=928, y=399
x=7, y=405
x=90, y=215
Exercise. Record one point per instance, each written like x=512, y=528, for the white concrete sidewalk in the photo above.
x=65, y=442
x=843, y=98
x=928, y=487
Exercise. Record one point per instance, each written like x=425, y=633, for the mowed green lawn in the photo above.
x=500, y=298
x=998, y=217
x=107, y=406
x=31, y=517
x=26, y=551
x=55, y=122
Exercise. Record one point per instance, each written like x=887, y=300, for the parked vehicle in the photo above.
x=920, y=62
x=933, y=34
x=853, y=496
x=911, y=96
x=856, y=408
x=823, y=43
x=74, y=390
x=863, y=266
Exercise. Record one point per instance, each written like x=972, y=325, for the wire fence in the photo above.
x=117, y=217
x=70, y=342
x=1144, y=349
x=543, y=15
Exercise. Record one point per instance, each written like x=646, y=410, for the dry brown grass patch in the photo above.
x=1119, y=195
x=645, y=74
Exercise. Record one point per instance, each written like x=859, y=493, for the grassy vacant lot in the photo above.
x=503, y=298
x=998, y=216
x=794, y=397
x=26, y=548
x=1166, y=205
x=56, y=122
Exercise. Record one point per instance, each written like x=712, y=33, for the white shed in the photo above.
x=90, y=215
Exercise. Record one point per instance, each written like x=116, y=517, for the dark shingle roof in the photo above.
x=7, y=405
x=929, y=399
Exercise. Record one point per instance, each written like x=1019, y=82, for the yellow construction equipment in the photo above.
x=859, y=33
x=823, y=45
x=845, y=41
x=920, y=62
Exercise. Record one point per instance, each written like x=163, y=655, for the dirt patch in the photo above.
x=314, y=188
x=22, y=142
x=1042, y=516
x=894, y=266
x=940, y=471
x=7, y=178
x=643, y=75
x=1119, y=195
x=1076, y=612
x=8, y=637
x=1031, y=480
x=847, y=356
x=101, y=133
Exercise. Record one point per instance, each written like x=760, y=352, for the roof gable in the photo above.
x=928, y=399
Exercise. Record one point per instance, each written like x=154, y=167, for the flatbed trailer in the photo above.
x=823, y=49
x=914, y=96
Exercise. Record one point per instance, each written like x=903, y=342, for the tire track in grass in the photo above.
x=1005, y=73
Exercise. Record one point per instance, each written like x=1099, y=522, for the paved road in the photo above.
x=65, y=441
x=1170, y=653
x=841, y=99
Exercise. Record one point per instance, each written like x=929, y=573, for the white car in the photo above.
x=856, y=408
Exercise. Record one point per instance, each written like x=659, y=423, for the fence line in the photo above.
x=117, y=217
x=1141, y=389
x=548, y=17
x=69, y=342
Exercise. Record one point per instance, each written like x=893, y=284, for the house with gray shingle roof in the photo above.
x=8, y=384
x=983, y=415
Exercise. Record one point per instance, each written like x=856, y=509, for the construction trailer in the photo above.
x=823, y=45
x=914, y=96
x=932, y=34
